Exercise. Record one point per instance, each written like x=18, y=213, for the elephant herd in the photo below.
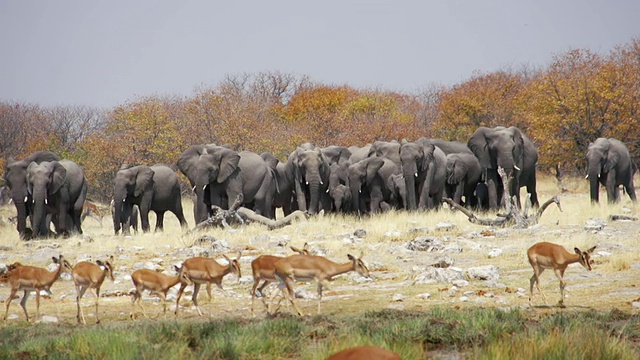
x=359, y=180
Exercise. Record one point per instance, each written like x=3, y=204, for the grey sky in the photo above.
x=103, y=53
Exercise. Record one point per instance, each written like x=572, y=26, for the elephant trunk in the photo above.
x=200, y=207
x=22, y=213
x=355, y=196
x=409, y=173
x=313, y=183
x=118, y=203
x=39, y=212
x=594, y=182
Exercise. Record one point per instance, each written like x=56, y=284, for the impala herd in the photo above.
x=196, y=271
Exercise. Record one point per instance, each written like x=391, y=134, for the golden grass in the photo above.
x=611, y=284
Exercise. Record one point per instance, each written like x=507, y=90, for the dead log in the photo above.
x=238, y=215
x=615, y=217
x=513, y=217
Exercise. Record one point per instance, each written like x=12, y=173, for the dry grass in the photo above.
x=612, y=283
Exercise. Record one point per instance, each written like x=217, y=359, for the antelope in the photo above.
x=201, y=270
x=546, y=255
x=4, y=276
x=155, y=282
x=263, y=268
x=31, y=278
x=90, y=209
x=87, y=275
x=369, y=352
x=308, y=267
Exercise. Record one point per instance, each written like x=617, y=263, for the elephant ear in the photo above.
x=479, y=145
x=144, y=178
x=188, y=161
x=427, y=157
x=518, y=150
x=229, y=161
x=30, y=170
x=612, y=160
x=373, y=165
x=392, y=183
x=459, y=171
x=58, y=176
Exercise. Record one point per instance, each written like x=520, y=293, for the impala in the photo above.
x=201, y=270
x=546, y=255
x=368, y=352
x=30, y=278
x=263, y=268
x=87, y=275
x=308, y=267
x=155, y=282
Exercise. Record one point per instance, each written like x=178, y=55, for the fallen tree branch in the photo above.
x=512, y=217
x=238, y=215
x=622, y=218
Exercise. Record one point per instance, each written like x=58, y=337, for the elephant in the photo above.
x=368, y=184
x=15, y=178
x=57, y=188
x=463, y=175
x=424, y=171
x=133, y=219
x=359, y=153
x=220, y=174
x=387, y=149
x=152, y=188
x=610, y=164
x=511, y=150
x=336, y=154
x=309, y=171
x=398, y=188
x=188, y=163
x=450, y=147
x=338, y=183
x=283, y=196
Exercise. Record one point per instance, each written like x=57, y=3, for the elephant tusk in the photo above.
x=204, y=188
x=321, y=183
x=416, y=174
x=193, y=188
x=123, y=200
x=359, y=191
x=515, y=167
x=26, y=198
x=46, y=202
x=327, y=190
x=306, y=183
x=586, y=177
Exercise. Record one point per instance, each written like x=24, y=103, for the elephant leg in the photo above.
x=457, y=196
x=144, y=218
x=159, y=221
x=376, y=199
x=179, y=213
x=630, y=189
x=612, y=189
x=531, y=189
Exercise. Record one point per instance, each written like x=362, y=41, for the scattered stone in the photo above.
x=425, y=243
x=453, y=291
x=460, y=283
x=204, y=240
x=453, y=248
x=304, y=294
x=424, y=296
x=48, y=319
x=495, y=252
x=419, y=230
x=445, y=226
x=432, y=274
x=595, y=224
x=87, y=238
x=464, y=298
x=138, y=248
x=392, y=234
x=361, y=233
x=635, y=304
x=398, y=297
x=220, y=246
x=443, y=262
x=487, y=272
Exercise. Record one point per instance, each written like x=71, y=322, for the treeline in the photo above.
x=579, y=97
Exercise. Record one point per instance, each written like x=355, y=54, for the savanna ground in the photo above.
x=479, y=320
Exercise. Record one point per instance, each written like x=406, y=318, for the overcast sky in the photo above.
x=104, y=53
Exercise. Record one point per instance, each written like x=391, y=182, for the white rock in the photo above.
x=493, y=253
x=464, y=298
x=48, y=319
x=424, y=296
x=398, y=297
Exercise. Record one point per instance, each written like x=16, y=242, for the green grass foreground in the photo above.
x=469, y=333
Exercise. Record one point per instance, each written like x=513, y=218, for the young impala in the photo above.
x=30, y=278
x=155, y=282
x=368, y=352
x=308, y=267
x=201, y=270
x=87, y=275
x=546, y=255
x=263, y=268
